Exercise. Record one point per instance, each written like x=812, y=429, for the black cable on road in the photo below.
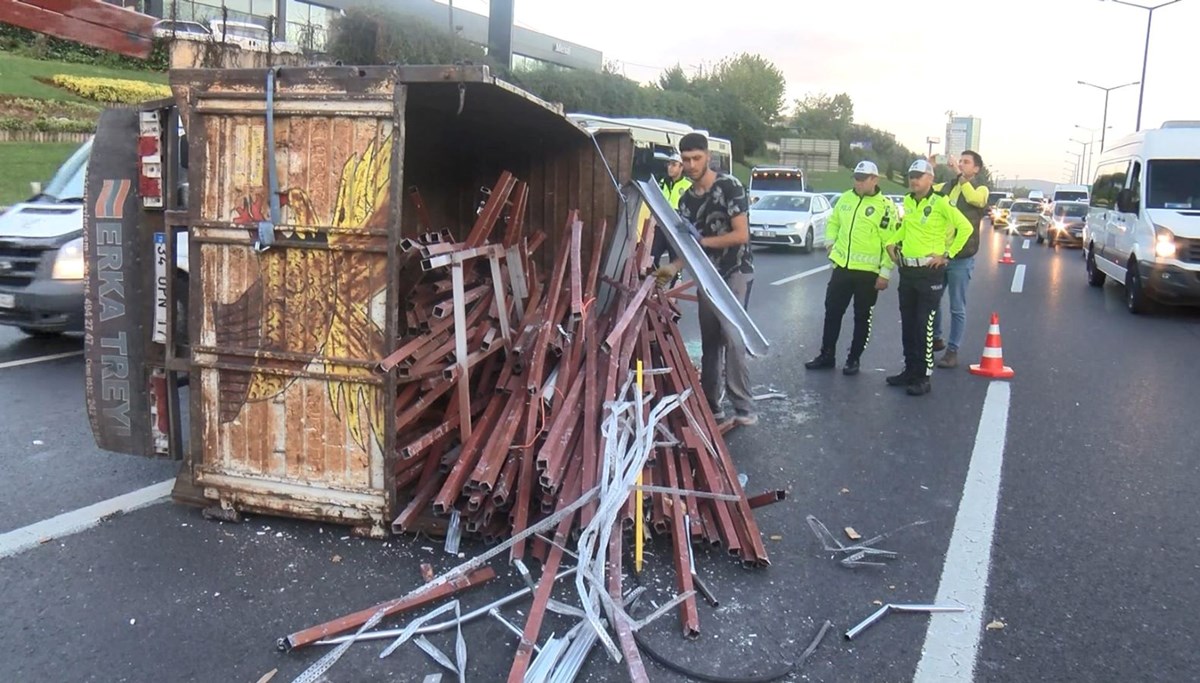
x=714, y=678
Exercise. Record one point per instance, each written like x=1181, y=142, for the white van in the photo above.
x=1070, y=193
x=1143, y=226
x=765, y=180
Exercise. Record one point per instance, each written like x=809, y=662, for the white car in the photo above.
x=248, y=36
x=790, y=219
x=898, y=200
x=182, y=30
x=833, y=197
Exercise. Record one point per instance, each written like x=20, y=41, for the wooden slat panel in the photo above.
x=300, y=424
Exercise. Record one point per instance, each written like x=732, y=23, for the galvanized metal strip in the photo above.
x=710, y=282
x=377, y=108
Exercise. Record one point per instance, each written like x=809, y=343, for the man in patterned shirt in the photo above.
x=717, y=205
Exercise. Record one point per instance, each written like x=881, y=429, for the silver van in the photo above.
x=41, y=254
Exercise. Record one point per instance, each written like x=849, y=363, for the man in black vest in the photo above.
x=971, y=200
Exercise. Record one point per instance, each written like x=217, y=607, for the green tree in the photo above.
x=824, y=117
x=724, y=115
x=753, y=80
x=674, y=79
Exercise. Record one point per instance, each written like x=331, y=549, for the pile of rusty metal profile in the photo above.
x=539, y=421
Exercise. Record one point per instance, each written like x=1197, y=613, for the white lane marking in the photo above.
x=797, y=276
x=952, y=640
x=1025, y=244
x=1018, y=284
x=20, y=540
x=39, y=359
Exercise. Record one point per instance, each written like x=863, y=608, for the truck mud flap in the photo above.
x=116, y=327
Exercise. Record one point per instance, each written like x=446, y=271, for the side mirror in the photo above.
x=1127, y=201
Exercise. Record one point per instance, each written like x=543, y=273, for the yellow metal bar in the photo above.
x=637, y=501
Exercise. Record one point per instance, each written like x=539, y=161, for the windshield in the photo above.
x=67, y=183
x=1026, y=207
x=783, y=202
x=776, y=181
x=1072, y=211
x=994, y=199
x=1174, y=184
x=1005, y=203
x=833, y=199
x=1070, y=196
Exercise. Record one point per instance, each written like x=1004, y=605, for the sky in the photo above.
x=1014, y=64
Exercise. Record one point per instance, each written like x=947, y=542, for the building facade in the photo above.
x=308, y=23
x=962, y=132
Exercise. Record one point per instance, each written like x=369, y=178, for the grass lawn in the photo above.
x=843, y=179
x=835, y=181
x=18, y=76
x=25, y=162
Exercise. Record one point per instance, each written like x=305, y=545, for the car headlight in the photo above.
x=68, y=265
x=1164, y=243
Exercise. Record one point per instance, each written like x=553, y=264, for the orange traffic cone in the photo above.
x=992, y=363
x=1007, y=254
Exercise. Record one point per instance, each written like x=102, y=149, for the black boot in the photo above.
x=902, y=380
x=919, y=387
x=851, y=367
x=825, y=361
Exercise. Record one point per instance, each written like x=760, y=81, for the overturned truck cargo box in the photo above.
x=290, y=416
x=304, y=184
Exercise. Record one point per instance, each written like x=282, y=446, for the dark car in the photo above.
x=1064, y=225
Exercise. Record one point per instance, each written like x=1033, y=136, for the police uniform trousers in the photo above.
x=845, y=285
x=920, y=295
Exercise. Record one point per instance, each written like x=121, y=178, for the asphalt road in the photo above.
x=1094, y=564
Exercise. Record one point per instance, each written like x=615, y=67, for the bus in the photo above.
x=656, y=139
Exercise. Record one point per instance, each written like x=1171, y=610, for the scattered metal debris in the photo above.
x=454, y=533
x=856, y=555
x=889, y=608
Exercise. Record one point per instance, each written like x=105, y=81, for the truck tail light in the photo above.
x=150, y=171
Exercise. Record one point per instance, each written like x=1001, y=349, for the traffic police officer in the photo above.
x=673, y=186
x=933, y=232
x=856, y=236
x=675, y=183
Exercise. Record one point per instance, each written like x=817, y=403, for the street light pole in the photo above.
x=1091, y=148
x=1078, y=161
x=1145, y=50
x=1082, y=167
x=1104, y=125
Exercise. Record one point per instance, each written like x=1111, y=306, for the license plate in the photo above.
x=8, y=301
x=762, y=233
